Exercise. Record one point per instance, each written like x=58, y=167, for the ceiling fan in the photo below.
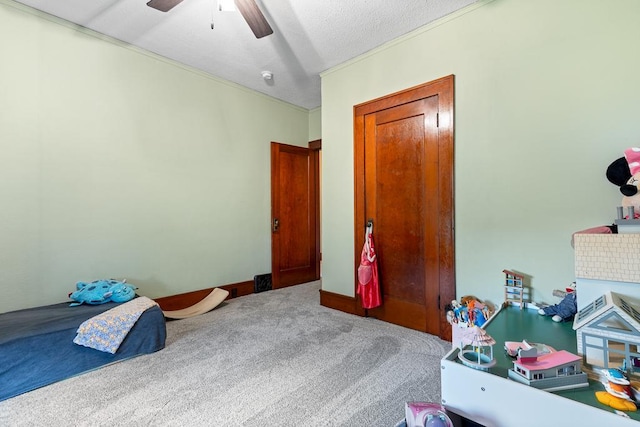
x=248, y=8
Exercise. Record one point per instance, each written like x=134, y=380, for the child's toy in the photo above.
x=616, y=382
x=618, y=387
x=476, y=349
x=102, y=291
x=564, y=310
x=453, y=311
x=512, y=347
x=470, y=311
x=559, y=370
x=122, y=292
x=624, y=172
x=424, y=414
x=513, y=288
x=618, y=403
x=467, y=314
x=608, y=333
x=619, y=174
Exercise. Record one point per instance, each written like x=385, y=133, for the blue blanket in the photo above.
x=37, y=349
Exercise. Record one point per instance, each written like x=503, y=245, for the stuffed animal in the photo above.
x=625, y=173
x=102, y=291
x=564, y=310
x=122, y=292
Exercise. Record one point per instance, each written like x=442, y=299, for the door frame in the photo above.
x=313, y=151
x=443, y=88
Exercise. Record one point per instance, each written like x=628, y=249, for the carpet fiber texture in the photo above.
x=276, y=358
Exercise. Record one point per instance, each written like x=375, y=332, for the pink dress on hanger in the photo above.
x=368, y=283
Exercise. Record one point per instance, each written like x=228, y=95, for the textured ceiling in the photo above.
x=310, y=36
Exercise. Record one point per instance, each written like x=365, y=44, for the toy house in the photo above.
x=606, y=262
x=513, y=288
x=608, y=332
x=559, y=370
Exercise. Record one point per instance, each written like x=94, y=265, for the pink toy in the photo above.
x=512, y=347
x=424, y=414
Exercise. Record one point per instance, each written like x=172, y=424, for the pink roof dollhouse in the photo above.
x=559, y=370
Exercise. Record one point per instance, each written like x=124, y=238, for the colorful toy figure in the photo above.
x=619, y=393
x=469, y=310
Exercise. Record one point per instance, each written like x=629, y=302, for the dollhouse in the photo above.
x=513, y=288
x=606, y=262
x=608, y=332
x=559, y=370
x=607, y=324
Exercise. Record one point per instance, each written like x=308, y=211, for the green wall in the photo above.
x=119, y=164
x=315, y=124
x=546, y=96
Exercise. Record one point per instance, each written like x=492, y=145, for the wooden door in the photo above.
x=404, y=183
x=295, y=254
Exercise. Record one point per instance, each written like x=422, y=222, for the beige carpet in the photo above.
x=276, y=358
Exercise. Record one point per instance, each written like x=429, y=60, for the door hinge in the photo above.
x=437, y=120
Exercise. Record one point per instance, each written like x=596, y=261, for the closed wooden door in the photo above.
x=404, y=176
x=295, y=254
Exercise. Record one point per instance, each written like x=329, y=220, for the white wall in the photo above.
x=546, y=96
x=118, y=164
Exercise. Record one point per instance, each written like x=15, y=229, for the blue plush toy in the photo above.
x=564, y=310
x=102, y=291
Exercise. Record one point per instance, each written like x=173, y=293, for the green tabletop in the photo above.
x=513, y=324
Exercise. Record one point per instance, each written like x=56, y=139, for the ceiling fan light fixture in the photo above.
x=163, y=5
x=226, y=6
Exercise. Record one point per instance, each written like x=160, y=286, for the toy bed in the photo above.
x=37, y=348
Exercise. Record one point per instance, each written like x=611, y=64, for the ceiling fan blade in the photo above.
x=163, y=5
x=254, y=17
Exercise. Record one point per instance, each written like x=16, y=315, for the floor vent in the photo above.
x=261, y=283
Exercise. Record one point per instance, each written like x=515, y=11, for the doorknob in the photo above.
x=275, y=224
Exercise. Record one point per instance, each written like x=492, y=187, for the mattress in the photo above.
x=37, y=349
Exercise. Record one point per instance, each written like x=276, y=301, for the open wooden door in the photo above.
x=295, y=230
x=404, y=183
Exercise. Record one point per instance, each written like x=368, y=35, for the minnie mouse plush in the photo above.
x=625, y=173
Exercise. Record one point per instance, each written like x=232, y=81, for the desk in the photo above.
x=490, y=398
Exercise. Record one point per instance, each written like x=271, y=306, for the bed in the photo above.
x=37, y=349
